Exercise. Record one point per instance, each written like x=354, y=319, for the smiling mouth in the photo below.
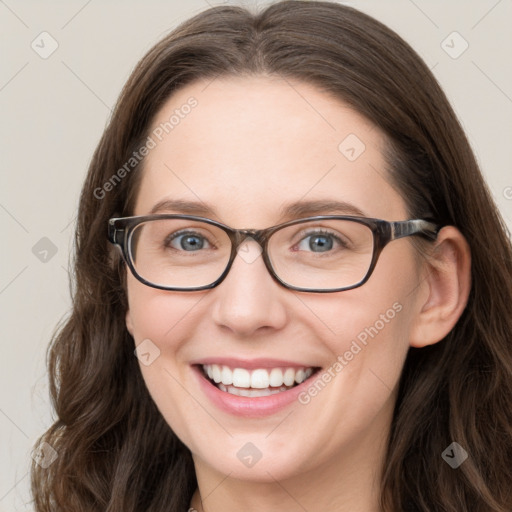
x=259, y=382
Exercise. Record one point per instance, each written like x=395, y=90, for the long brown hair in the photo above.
x=115, y=451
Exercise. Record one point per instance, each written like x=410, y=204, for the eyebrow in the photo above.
x=292, y=210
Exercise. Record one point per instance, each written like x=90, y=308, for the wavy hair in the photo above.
x=115, y=451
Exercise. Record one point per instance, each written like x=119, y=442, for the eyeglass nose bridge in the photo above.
x=239, y=237
x=261, y=236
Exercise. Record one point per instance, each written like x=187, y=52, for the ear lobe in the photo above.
x=448, y=282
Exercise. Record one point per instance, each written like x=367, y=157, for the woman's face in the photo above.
x=248, y=149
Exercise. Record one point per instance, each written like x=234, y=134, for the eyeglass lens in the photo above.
x=319, y=254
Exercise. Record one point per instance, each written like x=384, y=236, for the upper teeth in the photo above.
x=260, y=378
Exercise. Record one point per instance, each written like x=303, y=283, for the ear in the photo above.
x=129, y=323
x=446, y=285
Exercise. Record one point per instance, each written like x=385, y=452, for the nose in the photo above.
x=249, y=300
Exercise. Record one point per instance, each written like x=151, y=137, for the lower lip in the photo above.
x=249, y=406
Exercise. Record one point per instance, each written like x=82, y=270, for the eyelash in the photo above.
x=177, y=234
x=303, y=236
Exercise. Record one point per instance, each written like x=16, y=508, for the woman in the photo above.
x=315, y=280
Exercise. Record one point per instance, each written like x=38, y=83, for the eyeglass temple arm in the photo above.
x=422, y=227
x=114, y=234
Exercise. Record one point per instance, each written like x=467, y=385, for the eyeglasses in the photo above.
x=326, y=253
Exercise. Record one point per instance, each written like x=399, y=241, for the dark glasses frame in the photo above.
x=120, y=230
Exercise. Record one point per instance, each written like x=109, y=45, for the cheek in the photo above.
x=366, y=332
x=159, y=315
x=368, y=341
x=368, y=328
x=161, y=322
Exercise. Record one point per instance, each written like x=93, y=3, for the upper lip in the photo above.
x=251, y=363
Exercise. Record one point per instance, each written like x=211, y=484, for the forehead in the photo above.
x=249, y=146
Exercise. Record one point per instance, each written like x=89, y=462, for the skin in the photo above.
x=250, y=146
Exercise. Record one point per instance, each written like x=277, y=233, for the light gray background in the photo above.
x=54, y=110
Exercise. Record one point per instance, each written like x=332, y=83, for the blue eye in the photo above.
x=319, y=241
x=188, y=241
